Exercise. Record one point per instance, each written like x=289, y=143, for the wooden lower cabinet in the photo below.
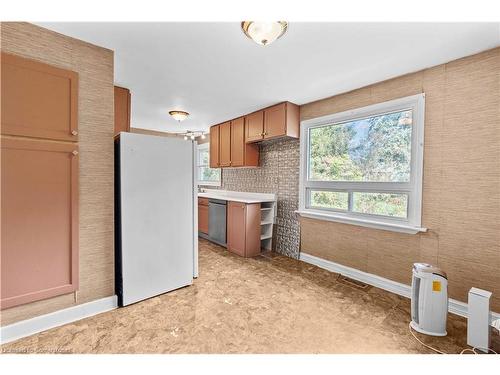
x=203, y=215
x=243, y=229
x=39, y=244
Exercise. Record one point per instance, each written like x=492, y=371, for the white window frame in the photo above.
x=204, y=147
x=410, y=224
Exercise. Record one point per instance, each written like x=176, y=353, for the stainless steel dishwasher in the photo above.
x=217, y=213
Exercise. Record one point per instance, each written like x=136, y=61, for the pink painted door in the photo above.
x=38, y=100
x=39, y=244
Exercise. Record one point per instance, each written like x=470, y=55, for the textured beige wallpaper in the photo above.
x=461, y=195
x=94, y=66
x=461, y=202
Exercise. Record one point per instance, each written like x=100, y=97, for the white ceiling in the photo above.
x=214, y=72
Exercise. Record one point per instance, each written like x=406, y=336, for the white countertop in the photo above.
x=238, y=196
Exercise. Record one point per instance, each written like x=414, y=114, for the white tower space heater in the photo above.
x=429, y=300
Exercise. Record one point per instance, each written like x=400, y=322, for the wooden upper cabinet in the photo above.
x=38, y=100
x=238, y=142
x=243, y=228
x=39, y=245
x=214, y=147
x=232, y=144
x=122, y=109
x=242, y=154
x=254, y=127
x=275, y=121
x=225, y=144
x=281, y=120
x=228, y=147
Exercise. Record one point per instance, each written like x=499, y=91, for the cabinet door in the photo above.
x=254, y=126
x=122, y=110
x=203, y=218
x=275, y=121
x=238, y=142
x=252, y=230
x=214, y=147
x=38, y=100
x=236, y=233
x=225, y=144
x=39, y=245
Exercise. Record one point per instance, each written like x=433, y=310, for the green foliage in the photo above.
x=209, y=174
x=376, y=149
x=206, y=173
x=385, y=152
x=381, y=204
x=329, y=199
x=329, y=157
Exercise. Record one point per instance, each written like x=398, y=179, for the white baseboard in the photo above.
x=454, y=306
x=55, y=319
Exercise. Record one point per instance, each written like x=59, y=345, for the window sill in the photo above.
x=368, y=223
x=208, y=183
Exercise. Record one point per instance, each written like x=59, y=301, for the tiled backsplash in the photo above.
x=279, y=174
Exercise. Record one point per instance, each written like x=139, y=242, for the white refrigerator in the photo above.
x=155, y=238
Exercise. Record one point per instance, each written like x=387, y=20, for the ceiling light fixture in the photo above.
x=179, y=115
x=264, y=33
x=192, y=134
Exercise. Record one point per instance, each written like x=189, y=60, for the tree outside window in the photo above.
x=206, y=175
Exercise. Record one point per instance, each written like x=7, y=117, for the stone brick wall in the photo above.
x=279, y=174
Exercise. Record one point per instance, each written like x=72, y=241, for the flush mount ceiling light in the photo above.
x=179, y=115
x=264, y=33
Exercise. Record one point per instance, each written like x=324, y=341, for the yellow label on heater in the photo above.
x=436, y=286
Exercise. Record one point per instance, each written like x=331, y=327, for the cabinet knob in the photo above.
x=74, y=132
x=75, y=152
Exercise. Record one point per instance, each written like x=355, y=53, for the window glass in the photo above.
x=204, y=157
x=335, y=200
x=364, y=166
x=386, y=204
x=207, y=175
x=374, y=149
